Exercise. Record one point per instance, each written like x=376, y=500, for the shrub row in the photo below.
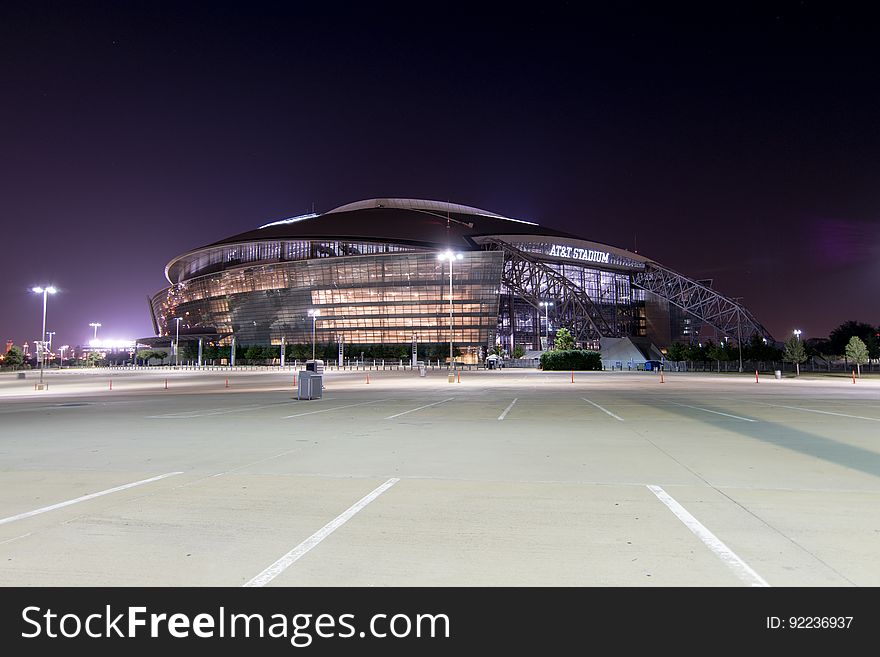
x=574, y=359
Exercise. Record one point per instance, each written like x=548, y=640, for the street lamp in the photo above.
x=797, y=333
x=45, y=291
x=546, y=305
x=61, y=351
x=451, y=257
x=176, y=339
x=95, y=325
x=313, y=313
x=50, y=334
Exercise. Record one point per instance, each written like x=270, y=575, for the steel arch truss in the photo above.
x=722, y=313
x=534, y=281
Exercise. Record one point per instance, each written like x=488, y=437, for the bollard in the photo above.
x=368, y=377
x=111, y=384
x=572, y=376
x=661, y=377
x=227, y=381
x=166, y=384
x=459, y=376
x=756, y=376
x=294, y=379
x=854, y=377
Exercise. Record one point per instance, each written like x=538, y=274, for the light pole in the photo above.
x=45, y=291
x=313, y=313
x=50, y=334
x=451, y=257
x=95, y=326
x=61, y=350
x=546, y=305
x=176, y=339
x=797, y=334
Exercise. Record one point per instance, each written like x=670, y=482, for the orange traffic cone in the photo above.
x=756, y=376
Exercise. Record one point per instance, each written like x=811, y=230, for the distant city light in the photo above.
x=111, y=344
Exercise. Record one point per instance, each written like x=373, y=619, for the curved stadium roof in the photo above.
x=405, y=221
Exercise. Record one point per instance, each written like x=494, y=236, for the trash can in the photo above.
x=20, y=375
x=490, y=364
x=423, y=369
x=777, y=374
x=316, y=366
x=310, y=386
x=451, y=376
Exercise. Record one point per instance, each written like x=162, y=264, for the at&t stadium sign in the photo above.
x=589, y=255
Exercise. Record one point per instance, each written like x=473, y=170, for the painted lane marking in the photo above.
x=9, y=540
x=336, y=408
x=507, y=410
x=209, y=412
x=736, y=417
x=812, y=410
x=740, y=568
x=300, y=550
x=604, y=410
x=413, y=410
x=90, y=496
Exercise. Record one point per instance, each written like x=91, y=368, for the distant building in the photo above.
x=368, y=273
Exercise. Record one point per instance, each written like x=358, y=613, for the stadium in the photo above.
x=378, y=272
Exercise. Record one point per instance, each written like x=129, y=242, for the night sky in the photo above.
x=742, y=147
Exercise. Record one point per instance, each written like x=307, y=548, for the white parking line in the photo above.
x=90, y=496
x=9, y=540
x=209, y=412
x=288, y=559
x=736, y=417
x=812, y=410
x=604, y=410
x=335, y=408
x=507, y=410
x=728, y=556
x=413, y=410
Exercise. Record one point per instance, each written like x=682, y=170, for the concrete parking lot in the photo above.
x=510, y=477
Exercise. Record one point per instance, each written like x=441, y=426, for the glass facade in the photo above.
x=382, y=298
x=233, y=256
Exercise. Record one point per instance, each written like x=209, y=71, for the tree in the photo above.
x=564, y=340
x=695, y=352
x=519, y=351
x=676, y=352
x=795, y=352
x=857, y=352
x=717, y=352
x=839, y=338
x=14, y=357
x=254, y=352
